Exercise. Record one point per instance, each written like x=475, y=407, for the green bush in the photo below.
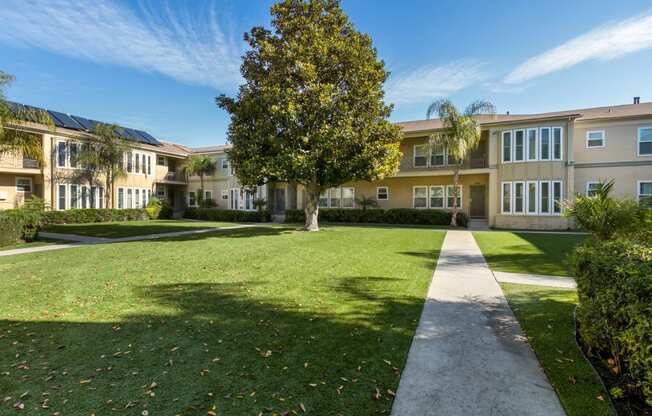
x=11, y=228
x=614, y=283
x=82, y=216
x=22, y=224
x=216, y=214
x=381, y=216
x=158, y=209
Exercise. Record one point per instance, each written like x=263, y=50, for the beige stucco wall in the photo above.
x=620, y=144
x=625, y=178
x=14, y=198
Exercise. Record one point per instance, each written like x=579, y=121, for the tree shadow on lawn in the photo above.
x=243, y=232
x=215, y=344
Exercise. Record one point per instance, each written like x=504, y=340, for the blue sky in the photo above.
x=158, y=65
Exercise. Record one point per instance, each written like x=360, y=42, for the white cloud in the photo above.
x=430, y=82
x=605, y=43
x=189, y=48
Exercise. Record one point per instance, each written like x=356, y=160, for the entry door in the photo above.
x=279, y=201
x=477, y=209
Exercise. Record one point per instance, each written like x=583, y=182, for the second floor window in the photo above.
x=645, y=141
x=61, y=154
x=420, y=155
x=594, y=139
x=437, y=155
x=507, y=147
x=130, y=162
x=519, y=145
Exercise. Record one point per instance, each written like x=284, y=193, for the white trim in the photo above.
x=502, y=198
x=523, y=197
x=414, y=188
x=31, y=184
x=604, y=139
x=443, y=194
x=587, y=185
x=638, y=188
x=459, y=196
x=414, y=155
x=536, y=197
x=523, y=147
x=561, y=197
x=561, y=143
x=386, y=188
x=511, y=146
x=541, y=129
x=540, y=198
x=638, y=141
x=342, y=197
x=536, y=144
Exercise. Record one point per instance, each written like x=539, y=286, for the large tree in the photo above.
x=460, y=135
x=311, y=108
x=13, y=140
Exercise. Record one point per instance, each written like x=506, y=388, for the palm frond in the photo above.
x=479, y=107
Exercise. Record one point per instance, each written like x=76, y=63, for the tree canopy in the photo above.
x=311, y=108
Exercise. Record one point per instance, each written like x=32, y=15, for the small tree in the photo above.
x=366, y=202
x=460, y=135
x=103, y=156
x=603, y=215
x=311, y=109
x=14, y=140
x=200, y=165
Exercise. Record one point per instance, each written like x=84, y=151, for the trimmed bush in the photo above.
x=216, y=214
x=158, y=209
x=11, y=228
x=22, y=224
x=380, y=216
x=82, y=216
x=614, y=283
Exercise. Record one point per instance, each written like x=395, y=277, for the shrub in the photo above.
x=158, y=209
x=82, y=216
x=22, y=224
x=614, y=283
x=381, y=216
x=216, y=214
x=11, y=228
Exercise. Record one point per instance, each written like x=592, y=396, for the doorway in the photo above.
x=477, y=202
x=279, y=201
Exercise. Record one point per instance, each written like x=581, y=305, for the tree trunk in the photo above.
x=456, y=179
x=312, y=208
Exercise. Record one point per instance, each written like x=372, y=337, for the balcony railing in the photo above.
x=30, y=164
x=176, y=177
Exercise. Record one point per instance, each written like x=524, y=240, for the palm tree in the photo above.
x=460, y=135
x=200, y=165
x=16, y=141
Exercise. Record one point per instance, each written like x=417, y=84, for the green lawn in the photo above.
x=38, y=243
x=251, y=320
x=132, y=228
x=546, y=316
x=527, y=252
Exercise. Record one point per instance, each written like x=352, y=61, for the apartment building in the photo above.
x=524, y=168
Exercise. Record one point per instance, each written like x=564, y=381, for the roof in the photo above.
x=211, y=149
x=584, y=114
x=173, y=148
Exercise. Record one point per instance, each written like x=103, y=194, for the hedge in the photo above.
x=11, y=228
x=81, y=216
x=381, y=216
x=217, y=214
x=614, y=283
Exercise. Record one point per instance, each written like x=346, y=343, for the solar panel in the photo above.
x=84, y=122
x=64, y=120
x=149, y=137
x=133, y=135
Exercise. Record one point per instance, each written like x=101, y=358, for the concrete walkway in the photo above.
x=469, y=356
x=536, y=280
x=80, y=240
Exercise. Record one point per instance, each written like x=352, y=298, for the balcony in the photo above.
x=30, y=164
x=171, y=177
x=17, y=164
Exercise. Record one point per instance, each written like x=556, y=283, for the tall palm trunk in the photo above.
x=456, y=179
x=312, y=207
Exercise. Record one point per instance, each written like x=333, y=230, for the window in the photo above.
x=225, y=194
x=595, y=139
x=160, y=160
x=348, y=198
x=507, y=147
x=544, y=145
x=420, y=197
x=191, y=199
x=225, y=164
x=645, y=141
x=121, y=198
x=84, y=197
x=100, y=197
x=450, y=196
x=136, y=196
x=149, y=165
x=61, y=154
x=334, y=197
x=519, y=145
x=506, y=198
x=208, y=195
x=62, y=197
x=323, y=199
x=130, y=162
x=645, y=193
x=532, y=197
x=544, y=197
x=437, y=155
x=234, y=198
x=74, y=196
x=248, y=199
x=382, y=193
x=556, y=197
x=519, y=197
x=420, y=155
x=436, y=197
x=130, y=200
x=144, y=164
x=93, y=196
x=557, y=143
x=137, y=164
x=73, y=148
x=23, y=184
x=592, y=187
x=532, y=145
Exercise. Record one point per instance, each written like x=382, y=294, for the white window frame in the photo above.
x=234, y=198
x=511, y=146
x=31, y=184
x=604, y=139
x=121, y=204
x=561, y=143
x=443, y=196
x=587, y=186
x=502, y=197
x=523, y=197
x=459, y=196
x=194, y=197
x=524, y=146
x=540, y=198
x=549, y=129
x=208, y=195
x=65, y=196
x=443, y=154
x=386, y=188
x=65, y=153
x=638, y=141
x=536, y=144
x=638, y=189
x=552, y=197
x=536, y=197
x=352, y=189
x=414, y=155
x=414, y=195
